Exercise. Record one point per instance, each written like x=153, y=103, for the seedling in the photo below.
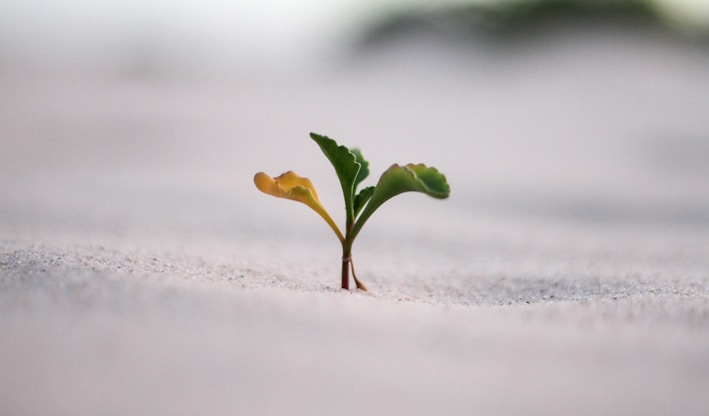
x=352, y=169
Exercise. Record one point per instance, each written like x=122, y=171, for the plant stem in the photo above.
x=347, y=263
x=347, y=247
x=346, y=258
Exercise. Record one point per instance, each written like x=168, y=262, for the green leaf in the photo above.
x=346, y=166
x=364, y=170
x=361, y=199
x=398, y=179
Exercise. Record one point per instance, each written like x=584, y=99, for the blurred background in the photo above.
x=126, y=116
x=163, y=38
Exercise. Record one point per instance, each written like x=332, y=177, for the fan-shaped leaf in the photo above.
x=398, y=179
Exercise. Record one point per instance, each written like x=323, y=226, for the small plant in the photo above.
x=352, y=169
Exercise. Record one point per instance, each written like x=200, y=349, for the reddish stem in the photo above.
x=346, y=272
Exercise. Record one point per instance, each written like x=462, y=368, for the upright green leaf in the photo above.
x=398, y=179
x=361, y=199
x=346, y=166
x=363, y=171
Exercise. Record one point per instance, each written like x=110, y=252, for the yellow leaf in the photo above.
x=291, y=186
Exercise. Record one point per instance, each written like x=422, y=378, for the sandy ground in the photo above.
x=142, y=274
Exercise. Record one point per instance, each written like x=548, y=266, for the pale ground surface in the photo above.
x=142, y=274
